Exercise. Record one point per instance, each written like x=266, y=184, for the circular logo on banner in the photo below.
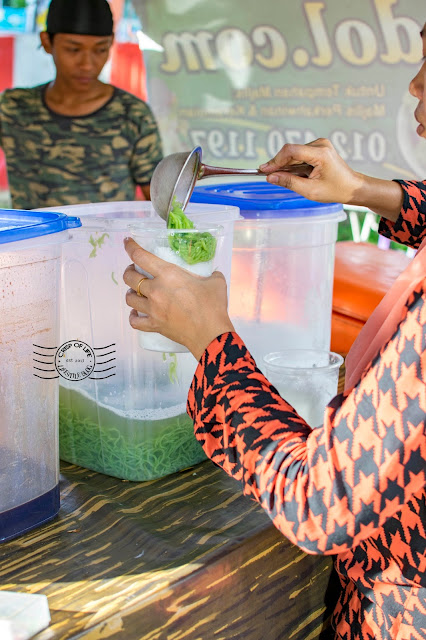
x=75, y=360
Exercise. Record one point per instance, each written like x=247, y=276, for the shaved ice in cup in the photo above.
x=194, y=249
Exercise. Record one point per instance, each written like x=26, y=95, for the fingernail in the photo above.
x=263, y=166
x=272, y=178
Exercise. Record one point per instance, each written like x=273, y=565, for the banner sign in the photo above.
x=242, y=78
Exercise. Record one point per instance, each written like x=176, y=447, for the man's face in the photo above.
x=418, y=90
x=78, y=59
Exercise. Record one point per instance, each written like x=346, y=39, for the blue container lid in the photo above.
x=18, y=225
x=263, y=200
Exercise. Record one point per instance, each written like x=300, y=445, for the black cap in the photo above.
x=82, y=17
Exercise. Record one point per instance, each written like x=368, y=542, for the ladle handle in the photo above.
x=206, y=171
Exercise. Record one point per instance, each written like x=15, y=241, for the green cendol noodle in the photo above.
x=97, y=438
x=192, y=247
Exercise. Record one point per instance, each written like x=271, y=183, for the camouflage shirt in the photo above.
x=59, y=160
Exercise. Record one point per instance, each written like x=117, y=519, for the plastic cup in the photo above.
x=306, y=378
x=180, y=247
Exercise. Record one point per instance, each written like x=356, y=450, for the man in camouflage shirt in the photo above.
x=76, y=139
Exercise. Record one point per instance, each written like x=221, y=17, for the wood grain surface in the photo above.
x=186, y=557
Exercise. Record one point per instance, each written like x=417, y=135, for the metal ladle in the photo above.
x=176, y=175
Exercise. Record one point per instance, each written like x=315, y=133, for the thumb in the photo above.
x=217, y=276
x=288, y=181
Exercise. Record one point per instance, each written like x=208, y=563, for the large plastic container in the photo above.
x=282, y=265
x=30, y=261
x=127, y=417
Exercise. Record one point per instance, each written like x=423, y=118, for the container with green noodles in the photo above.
x=131, y=445
x=132, y=425
x=128, y=417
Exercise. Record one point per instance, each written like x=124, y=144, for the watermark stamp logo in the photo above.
x=74, y=361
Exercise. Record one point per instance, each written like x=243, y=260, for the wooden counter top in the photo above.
x=186, y=557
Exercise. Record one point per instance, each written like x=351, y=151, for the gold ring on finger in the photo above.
x=138, y=288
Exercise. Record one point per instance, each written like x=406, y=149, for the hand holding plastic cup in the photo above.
x=306, y=378
x=196, y=250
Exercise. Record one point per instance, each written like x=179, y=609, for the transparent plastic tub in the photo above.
x=306, y=378
x=128, y=417
x=30, y=264
x=282, y=266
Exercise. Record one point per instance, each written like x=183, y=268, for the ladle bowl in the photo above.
x=177, y=173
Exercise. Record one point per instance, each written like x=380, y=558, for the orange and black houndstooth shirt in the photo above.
x=354, y=487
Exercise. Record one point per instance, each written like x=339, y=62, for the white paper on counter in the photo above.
x=22, y=615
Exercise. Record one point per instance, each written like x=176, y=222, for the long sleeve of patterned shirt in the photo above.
x=355, y=486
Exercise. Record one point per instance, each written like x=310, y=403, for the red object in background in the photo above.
x=139, y=194
x=128, y=68
x=4, y=185
x=6, y=82
x=6, y=66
